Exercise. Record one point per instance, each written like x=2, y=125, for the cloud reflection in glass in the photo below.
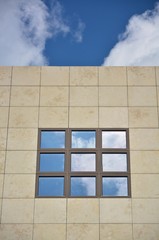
x=83, y=186
x=83, y=162
x=114, y=162
x=115, y=186
x=83, y=139
x=113, y=139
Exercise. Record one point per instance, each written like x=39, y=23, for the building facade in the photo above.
x=95, y=99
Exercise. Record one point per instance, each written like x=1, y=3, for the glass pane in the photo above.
x=51, y=186
x=114, y=162
x=52, y=139
x=83, y=162
x=114, y=139
x=115, y=186
x=83, y=139
x=83, y=186
x=52, y=162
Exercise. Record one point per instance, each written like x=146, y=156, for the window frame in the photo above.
x=98, y=173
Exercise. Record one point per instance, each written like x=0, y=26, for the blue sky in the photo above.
x=79, y=33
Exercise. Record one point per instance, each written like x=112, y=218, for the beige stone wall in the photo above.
x=78, y=97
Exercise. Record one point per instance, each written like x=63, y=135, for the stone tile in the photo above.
x=145, y=210
x=29, y=75
x=142, y=96
x=144, y=161
x=25, y=96
x=113, y=96
x=144, y=139
x=4, y=96
x=86, y=117
x=1, y=184
x=115, y=210
x=21, y=162
x=19, y=186
x=146, y=231
x=5, y=75
x=4, y=116
x=3, y=137
x=113, y=117
x=83, y=76
x=157, y=75
x=84, y=96
x=54, y=76
x=82, y=232
x=22, y=139
x=83, y=211
x=141, y=76
x=112, y=76
x=158, y=95
x=17, y=210
x=49, y=231
x=2, y=161
x=116, y=231
x=140, y=189
x=53, y=117
x=143, y=117
x=23, y=117
x=50, y=211
x=54, y=96
x=16, y=231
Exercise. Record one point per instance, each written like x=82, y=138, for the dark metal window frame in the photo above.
x=98, y=174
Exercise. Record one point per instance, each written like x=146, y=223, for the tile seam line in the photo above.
x=97, y=69
x=68, y=124
x=157, y=94
x=108, y=223
x=36, y=151
x=127, y=81
x=6, y=144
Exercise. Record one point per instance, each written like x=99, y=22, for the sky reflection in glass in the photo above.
x=83, y=186
x=83, y=139
x=114, y=162
x=52, y=139
x=83, y=162
x=52, y=162
x=51, y=186
x=115, y=186
x=113, y=139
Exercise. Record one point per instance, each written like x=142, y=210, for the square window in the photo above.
x=83, y=186
x=51, y=186
x=52, y=139
x=115, y=186
x=52, y=162
x=84, y=162
x=114, y=139
x=114, y=162
x=83, y=139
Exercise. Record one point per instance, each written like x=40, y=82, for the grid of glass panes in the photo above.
x=83, y=163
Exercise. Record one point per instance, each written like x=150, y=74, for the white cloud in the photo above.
x=24, y=28
x=78, y=35
x=139, y=44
